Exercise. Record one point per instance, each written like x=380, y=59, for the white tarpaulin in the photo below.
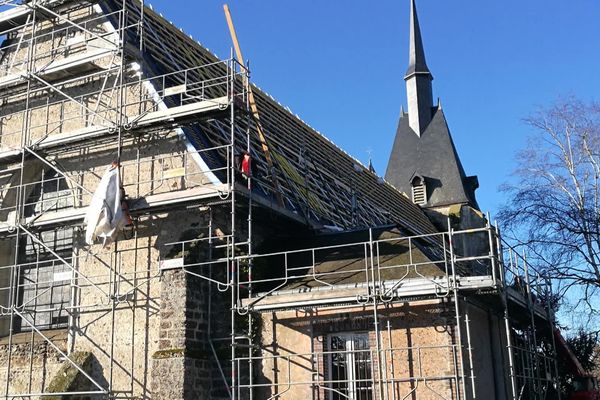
x=105, y=217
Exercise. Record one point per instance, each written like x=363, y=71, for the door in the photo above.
x=350, y=373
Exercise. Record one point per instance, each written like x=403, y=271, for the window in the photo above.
x=44, y=280
x=419, y=190
x=350, y=374
x=50, y=193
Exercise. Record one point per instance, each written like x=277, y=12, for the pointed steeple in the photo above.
x=417, y=63
x=418, y=78
x=423, y=146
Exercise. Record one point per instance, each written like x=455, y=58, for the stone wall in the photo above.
x=193, y=348
x=180, y=367
x=33, y=360
x=119, y=314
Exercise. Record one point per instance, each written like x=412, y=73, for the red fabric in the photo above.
x=246, y=165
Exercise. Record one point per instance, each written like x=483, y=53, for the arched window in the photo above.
x=419, y=190
x=44, y=279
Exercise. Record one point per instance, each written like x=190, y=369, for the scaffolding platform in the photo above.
x=18, y=15
x=137, y=206
x=174, y=114
x=414, y=288
x=168, y=116
x=60, y=69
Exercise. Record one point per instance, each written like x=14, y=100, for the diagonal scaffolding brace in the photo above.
x=66, y=357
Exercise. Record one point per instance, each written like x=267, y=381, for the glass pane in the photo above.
x=362, y=367
x=350, y=367
x=338, y=368
x=44, y=284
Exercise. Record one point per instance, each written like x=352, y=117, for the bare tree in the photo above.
x=554, y=200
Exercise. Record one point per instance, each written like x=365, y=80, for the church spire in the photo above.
x=423, y=147
x=418, y=79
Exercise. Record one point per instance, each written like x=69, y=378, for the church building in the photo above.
x=168, y=230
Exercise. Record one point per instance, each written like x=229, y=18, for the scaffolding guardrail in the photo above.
x=377, y=267
x=147, y=102
x=154, y=174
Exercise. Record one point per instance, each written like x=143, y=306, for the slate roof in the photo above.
x=432, y=156
x=417, y=63
x=429, y=153
x=318, y=180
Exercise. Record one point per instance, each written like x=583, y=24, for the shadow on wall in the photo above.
x=71, y=379
x=417, y=338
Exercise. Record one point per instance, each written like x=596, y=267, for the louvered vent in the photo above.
x=419, y=193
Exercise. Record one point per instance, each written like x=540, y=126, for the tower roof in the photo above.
x=417, y=63
x=432, y=156
x=423, y=145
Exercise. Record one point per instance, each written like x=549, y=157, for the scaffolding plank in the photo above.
x=75, y=64
x=517, y=298
x=87, y=133
x=58, y=69
x=306, y=299
x=54, y=141
x=7, y=155
x=10, y=80
x=14, y=16
x=141, y=205
x=185, y=111
x=182, y=196
x=18, y=15
x=323, y=295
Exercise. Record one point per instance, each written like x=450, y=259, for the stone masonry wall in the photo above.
x=193, y=313
x=33, y=360
x=119, y=289
x=180, y=367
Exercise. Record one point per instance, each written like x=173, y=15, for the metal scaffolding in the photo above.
x=71, y=80
x=496, y=276
x=67, y=66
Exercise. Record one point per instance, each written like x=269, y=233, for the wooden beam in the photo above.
x=253, y=107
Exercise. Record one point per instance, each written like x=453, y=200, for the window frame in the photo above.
x=47, y=280
x=353, y=389
x=42, y=281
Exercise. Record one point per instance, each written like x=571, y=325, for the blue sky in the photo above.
x=339, y=65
